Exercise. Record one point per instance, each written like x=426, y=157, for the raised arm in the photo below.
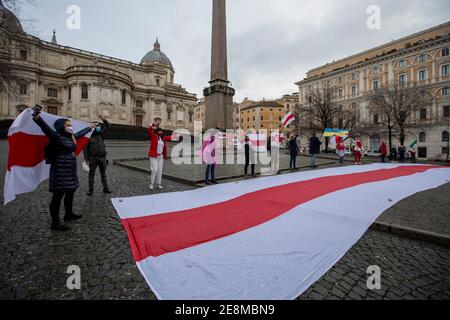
x=49, y=132
x=151, y=131
x=106, y=123
x=82, y=133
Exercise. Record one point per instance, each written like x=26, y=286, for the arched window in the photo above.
x=124, y=97
x=444, y=136
x=422, y=137
x=84, y=91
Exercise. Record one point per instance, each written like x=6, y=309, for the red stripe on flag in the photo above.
x=288, y=119
x=152, y=236
x=26, y=150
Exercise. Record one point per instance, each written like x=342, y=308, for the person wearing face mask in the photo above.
x=157, y=153
x=95, y=156
x=63, y=178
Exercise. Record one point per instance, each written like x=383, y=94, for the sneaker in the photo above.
x=207, y=183
x=160, y=187
x=72, y=217
x=151, y=187
x=214, y=182
x=59, y=227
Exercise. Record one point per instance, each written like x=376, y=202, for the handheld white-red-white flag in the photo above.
x=288, y=119
x=27, y=168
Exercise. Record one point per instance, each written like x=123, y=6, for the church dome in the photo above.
x=9, y=21
x=156, y=56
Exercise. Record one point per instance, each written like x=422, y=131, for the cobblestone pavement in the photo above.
x=34, y=260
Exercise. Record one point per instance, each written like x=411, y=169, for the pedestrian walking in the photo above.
x=63, y=178
x=394, y=155
x=157, y=153
x=314, y=149
x=412, y=153
x=383, y=151
x=293, y=151
x=340, y=149
x=95, y=156
x=359, y=149
x=209, y=155
x=401, y=154
x=275, y=152
x=250, y=157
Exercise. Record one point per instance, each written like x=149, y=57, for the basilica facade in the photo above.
x=82, y=85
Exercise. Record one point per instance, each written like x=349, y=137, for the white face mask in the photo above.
x=69, y=130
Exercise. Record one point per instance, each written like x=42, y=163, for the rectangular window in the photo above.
x=444, y=150
x=376, y=119
x=445, y=70
x=422, y=152
x=445, y=91
x=402, y=79
x=262, y=118
x=139, y=104
x=23, y=89
x=52, y=93
x=446, y=111
x=402, y=64
x=353, y=76
x=423, y=114
x=340, y=80
x=445, y=52
x=70, y=93
x=341, y=93
x=353, y=90
x=52, y=110
x=422, y=75
x=422, y=58
x=24, y=54
x=376, y=85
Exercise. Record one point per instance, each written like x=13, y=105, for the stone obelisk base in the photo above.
x=219, y=105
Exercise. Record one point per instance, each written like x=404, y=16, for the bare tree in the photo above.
x=396, y=105
x=321, y=111
x=8, y=80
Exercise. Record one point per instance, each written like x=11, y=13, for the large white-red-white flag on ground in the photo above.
x=26, y=162
x=262, y=239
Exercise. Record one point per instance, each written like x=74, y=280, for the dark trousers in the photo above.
x=383, y=158
x=101, y=164
x=293, y=162
x=55, y=204
x=252, y=168
x=210, y=171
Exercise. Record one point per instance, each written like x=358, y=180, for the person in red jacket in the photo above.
x=383, y=151
x=359, y=149
x=157, y=153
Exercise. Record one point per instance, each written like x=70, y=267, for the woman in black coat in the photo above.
x=63, y=179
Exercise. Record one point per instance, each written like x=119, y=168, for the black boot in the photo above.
x=58, y=226
x=107, y=190
x=90, y=193
x=72, y=217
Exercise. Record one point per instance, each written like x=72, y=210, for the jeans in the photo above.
x=55, y=204
x=293, y=162
x=102, y=164
x=313, y=160
x=210, y=171
x=157, y=169
x=252, y=168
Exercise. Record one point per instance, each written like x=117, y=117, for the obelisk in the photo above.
x=219, y=94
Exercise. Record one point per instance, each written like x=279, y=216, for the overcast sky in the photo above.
x=271, y=43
